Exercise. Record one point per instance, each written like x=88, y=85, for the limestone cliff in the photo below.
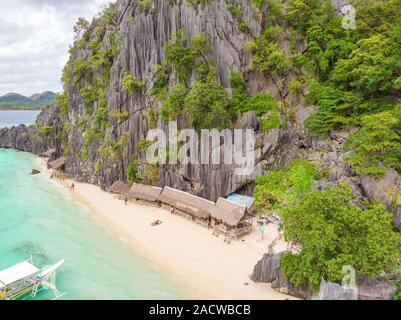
x=142, y=37
x=99, y=124
x=109, y=104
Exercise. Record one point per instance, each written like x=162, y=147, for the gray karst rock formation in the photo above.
x=135, y=42
x=267, y=270
x=142, y=37
x=141, y=47
x=29, y=138
x=334, y=291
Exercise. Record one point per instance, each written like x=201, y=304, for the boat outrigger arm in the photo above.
x=25, y=278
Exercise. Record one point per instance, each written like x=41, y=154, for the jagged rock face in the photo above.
x=267, y=270
x=28, y=139
x=17, y=138
x=387, y=190
x=376, y=289
x=334, y=291
x=140, y=48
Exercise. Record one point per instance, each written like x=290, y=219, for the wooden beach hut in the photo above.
x=58, y=164
x=145, y=193
x=187, y=204
x=47, y=153
x=119, y=188
x=231, y=218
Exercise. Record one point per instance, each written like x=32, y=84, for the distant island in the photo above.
x=15, y=101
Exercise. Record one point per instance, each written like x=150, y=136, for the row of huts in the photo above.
x=231, y=216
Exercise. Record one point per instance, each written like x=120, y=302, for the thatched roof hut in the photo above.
x=230, y=213
x=144, y=192
x=58, y=164
x=47, y=153
x=186, y=202
x=119, y=187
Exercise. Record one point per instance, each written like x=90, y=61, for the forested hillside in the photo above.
x=15, y=101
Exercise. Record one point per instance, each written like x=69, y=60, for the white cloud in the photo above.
x=34, y=40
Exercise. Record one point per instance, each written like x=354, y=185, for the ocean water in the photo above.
x=9, y=118
x=37, y=219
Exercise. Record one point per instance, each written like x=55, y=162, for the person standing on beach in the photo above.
x=262, y=229
x=126, y=200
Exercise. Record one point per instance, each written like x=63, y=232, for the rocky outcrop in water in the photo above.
x=36, y=138
x=19, y=138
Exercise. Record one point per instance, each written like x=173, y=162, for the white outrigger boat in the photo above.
x=26, y=280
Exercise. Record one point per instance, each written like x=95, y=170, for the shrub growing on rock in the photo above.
x=332, y=233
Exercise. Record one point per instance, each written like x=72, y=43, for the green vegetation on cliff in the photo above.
x=377, y=144
x=353, y=77
x=91, y=77
x=332, y=233
x=351, y=74
x=281, y=189
x=206, y=100
x=131, y=84
x=263, y=104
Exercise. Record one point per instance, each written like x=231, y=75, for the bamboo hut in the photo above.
x=188, y=205
x=145, y=193
x=48, y=153
x=231, y=218
x=58, y=164
x=119, y=188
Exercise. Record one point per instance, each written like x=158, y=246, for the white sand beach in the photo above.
x=201, y=265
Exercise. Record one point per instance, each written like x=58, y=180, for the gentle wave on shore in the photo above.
x=37, y=219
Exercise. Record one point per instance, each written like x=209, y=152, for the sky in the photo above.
x=34, y=40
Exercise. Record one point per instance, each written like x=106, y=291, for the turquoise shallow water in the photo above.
x=37, y=219
x=9, y=118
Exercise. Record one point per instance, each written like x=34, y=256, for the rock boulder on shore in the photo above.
x=267, y=270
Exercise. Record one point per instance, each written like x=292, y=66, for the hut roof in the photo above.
x=242, y=200
x=57, y=164
x=144, y=192
x=48, y=153
x=229, y=212
x=196, y=206
x=119, y=187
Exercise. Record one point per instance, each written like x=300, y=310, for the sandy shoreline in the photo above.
x=199, y=264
